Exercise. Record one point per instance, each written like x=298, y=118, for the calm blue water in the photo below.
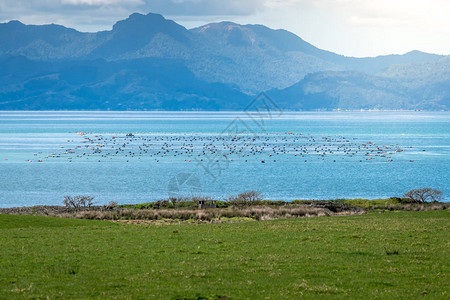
x=294, y=156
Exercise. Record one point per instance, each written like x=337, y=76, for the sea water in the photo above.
x=37, y=168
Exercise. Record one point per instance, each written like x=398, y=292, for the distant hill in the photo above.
x=149, y=62
x=420, y=86
x=139, y=84
x=348, y=90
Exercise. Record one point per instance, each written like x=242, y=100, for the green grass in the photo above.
x=378, y=255
x=367, y=204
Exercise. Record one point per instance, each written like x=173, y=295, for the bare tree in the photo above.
x=424, y=195
x=246, y=199
x=111, y=205
x=251, y=196
x=78, y=202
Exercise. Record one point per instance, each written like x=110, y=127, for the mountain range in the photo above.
x=147, y=62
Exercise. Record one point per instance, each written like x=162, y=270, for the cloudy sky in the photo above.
x=349, y=27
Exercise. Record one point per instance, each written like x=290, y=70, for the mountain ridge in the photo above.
x=242, y=59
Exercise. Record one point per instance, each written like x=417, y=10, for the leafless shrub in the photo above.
x=246, y=199
x=78, y=202
x=91, y=215
x=424, y=195
x=208, y=215
x=111, y=205
x=415, y=207
x=175, y=200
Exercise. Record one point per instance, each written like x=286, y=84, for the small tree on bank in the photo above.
x=424, y=195
x=78, y=202
x=247, y=198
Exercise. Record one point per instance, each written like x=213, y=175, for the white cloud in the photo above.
x=361, y=28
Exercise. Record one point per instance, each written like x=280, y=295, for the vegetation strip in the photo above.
x=245, y=206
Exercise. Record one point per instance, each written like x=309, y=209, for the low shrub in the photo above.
x=254, y=212
x=78, y=202
x=245, y=199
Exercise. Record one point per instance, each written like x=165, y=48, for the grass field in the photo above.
x=378, y=255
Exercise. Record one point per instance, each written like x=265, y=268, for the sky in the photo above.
x=349, y=27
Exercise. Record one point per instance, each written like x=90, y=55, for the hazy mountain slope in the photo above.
x=421, y=72
x=45, y=42
x=353, y=90
x=227, y=33
x=149, y=62
x=374, y=65
x=119, y=85
x=253, y=57
x=343, y=90
x=429, y=81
